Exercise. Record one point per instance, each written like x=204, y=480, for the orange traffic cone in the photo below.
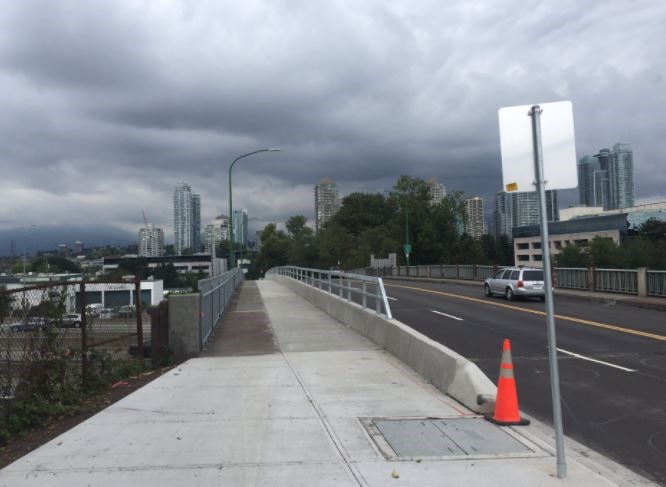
x=506, y=405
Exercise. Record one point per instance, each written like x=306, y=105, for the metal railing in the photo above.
x=571, y=277
x=343, y=284
x=440, y=271
x=215, y=293
x=643, y=282
x=616, y=280
x=483, y=272
x=656, y=283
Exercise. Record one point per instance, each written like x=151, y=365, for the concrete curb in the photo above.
x=447, y=370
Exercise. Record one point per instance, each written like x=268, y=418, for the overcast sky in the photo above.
x=104, y=106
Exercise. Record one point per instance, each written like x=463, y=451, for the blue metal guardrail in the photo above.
x=571, y=277
x=344, y=284
x=605, y=280
x=215, y=294
x=656, y=285
x=616, y=280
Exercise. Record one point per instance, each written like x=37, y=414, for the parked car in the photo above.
x=513, y=282
x=105, y=313
x=127, y=311
x=94, y=309
x=32, y=323
x=70, y=320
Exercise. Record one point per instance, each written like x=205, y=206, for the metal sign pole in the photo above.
x=535, y=113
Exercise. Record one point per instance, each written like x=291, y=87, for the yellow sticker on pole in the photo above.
x=512, y=187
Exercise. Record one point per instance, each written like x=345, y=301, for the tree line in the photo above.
x=380, y=224
x=643, y=247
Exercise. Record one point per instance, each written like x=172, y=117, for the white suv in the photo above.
x=515, y=281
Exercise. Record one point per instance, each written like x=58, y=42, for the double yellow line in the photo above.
x=573, y=319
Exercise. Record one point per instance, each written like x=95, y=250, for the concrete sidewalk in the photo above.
x=315, y=406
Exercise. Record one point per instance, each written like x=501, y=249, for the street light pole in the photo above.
x=407, y=232
x=232, y=255
x=403, y=202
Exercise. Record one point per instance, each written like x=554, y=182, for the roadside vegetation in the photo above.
x=646, y=247
x=41, y=374
x=375, y=223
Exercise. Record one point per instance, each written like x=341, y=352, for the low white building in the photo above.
x=527, y=249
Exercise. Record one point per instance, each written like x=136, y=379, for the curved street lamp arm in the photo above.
x=231, y=210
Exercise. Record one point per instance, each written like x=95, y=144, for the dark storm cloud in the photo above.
x=107, y=105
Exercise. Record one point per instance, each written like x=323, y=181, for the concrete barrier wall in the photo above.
x=184, y=329
x=445, y=369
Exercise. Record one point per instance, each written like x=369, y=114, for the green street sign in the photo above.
x=408, y=249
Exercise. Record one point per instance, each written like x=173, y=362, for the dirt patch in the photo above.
x=58, y=425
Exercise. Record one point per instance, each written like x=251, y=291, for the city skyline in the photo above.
x=85, y=142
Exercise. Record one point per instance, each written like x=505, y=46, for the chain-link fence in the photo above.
x=65, y=336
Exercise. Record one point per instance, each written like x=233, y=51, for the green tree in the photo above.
x=573, y=256
x=360, y=211
x=274, y=248
x=505, y=251
x=54, y=263
x=302, y=251
x=604, y=253
x=137, y=267
x=490, y=250
x=467, y=250
x=169, y=275
x=653, y=230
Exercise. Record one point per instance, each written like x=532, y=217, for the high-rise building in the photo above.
x=216, y=232
x=326, y=201
x=182, y=217
x=475, y=224
x=502, y=214
x=607, y=179
x=621, y=170
x=186, y=219
x=592, y=182
x=151, y=241
x=196, y=222
x=436, y=189
x=519, y=209
x=78, y=247
x=239, y=222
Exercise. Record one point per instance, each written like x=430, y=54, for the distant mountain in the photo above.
x=48, y=238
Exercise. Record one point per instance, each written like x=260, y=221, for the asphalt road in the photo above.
x=612, y=361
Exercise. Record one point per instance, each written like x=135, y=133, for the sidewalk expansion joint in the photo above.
x=351, y=468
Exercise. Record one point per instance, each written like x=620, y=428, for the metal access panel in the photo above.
x=415, y=438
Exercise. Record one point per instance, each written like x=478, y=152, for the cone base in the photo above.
x=520, y=422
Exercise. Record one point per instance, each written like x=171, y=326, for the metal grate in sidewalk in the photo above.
x=430, y=438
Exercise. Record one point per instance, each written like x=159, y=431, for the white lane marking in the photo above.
x=448, y=316
x=392, y=299
x=582, y=357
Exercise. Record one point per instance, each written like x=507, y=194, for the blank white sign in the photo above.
x=557, y=142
